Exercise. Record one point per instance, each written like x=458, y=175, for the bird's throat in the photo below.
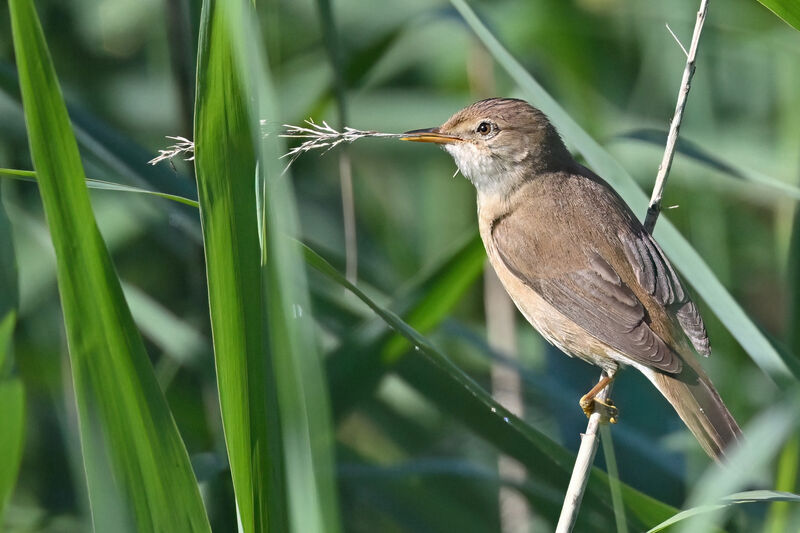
x=490, y=174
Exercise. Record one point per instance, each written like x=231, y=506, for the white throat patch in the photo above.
x=488, y=173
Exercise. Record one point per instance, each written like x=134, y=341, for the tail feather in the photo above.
x=698, y=404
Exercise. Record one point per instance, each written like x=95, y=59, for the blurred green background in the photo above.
x=127, y=71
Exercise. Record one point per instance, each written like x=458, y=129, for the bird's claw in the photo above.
x=607, y=410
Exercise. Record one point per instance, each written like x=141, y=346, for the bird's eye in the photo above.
x=484, y=128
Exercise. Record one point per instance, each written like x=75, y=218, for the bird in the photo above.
x=579, y=265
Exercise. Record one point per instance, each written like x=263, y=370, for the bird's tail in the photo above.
x=698, y=404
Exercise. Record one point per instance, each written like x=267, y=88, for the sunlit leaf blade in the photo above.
x=682, y=254
x=225, y=168
x=787, y=10
x=442, y=382
x=132, y=452
x=12, y=393
x=289, y=387
x=751, y=496
x=12, y=412
x=306, y=425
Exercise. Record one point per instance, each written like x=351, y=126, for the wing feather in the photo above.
x=607, y=283
x=595, y=298
x=656, y=275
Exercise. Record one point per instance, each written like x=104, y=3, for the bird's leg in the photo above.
x=590, y=403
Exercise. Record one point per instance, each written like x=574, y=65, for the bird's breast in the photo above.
x=557, y=329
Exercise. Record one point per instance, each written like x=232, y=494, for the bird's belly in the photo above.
x=557, y=329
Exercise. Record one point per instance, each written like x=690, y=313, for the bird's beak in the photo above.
x=429, y=135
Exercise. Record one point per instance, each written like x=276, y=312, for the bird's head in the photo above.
x=497, y=143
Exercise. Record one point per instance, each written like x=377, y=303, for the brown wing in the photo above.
x=655, y=274
x=591, y=294
x=607, y=275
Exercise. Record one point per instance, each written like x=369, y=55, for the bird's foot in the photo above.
x=606, y=408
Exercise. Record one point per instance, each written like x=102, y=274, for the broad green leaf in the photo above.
x=308, y=439
x=257, y=289
x=442, y=382
x=225, y=168
x=688, y=261
x=12, y=413
x=133, y=454
x=788, y=10
x=12, y=393
x=12, y=437
x=751, y=496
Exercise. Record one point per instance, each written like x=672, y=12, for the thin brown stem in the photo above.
x=349, y=215
x=582, y=467
x=319, y=136
x=654, y=209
